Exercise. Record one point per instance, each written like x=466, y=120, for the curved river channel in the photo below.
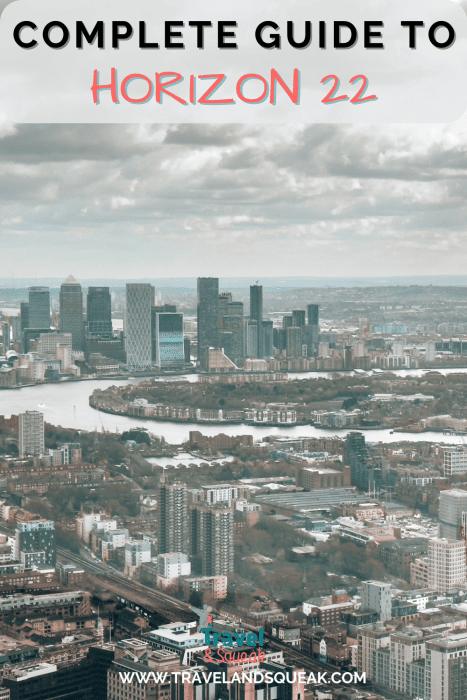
x=67, y=405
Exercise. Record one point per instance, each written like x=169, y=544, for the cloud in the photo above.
x=170, y=200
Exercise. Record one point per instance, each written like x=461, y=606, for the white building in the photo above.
x=173, y=564
x=377, y=596
x=137, y=552
x=452, y=504
x=178, y=637
x=446, y=568
x=220, y=493
x=85, y=522
x=430, y=351
x=455, y=460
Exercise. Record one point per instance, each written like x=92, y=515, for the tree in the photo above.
x=196, y=599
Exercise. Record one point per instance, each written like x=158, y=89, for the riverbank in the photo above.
x=68, y=406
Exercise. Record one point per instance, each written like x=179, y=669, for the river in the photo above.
x=67, y=405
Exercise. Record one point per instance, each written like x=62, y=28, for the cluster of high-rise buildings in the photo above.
x=205, y=528
x=154, y=335
x=222, y=325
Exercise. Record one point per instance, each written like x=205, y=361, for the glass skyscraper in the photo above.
x=256, y=314
x=169, y=352
x=208, y=318
x=99, y=312
x=71, y=312
x=39, y=307
x=140, y=298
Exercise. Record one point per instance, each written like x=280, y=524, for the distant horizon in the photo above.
x=284, y=282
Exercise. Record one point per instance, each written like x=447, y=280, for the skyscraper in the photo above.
x=268, y=346
x=168, y=345
x=298, y=318
x=294, y=341
x=71, y=312
x=312, y=329
x=363, y=473
x=24, y=313
x=208, y=318
x=39, y=307
x=31, y=433
x=99, y=312
x=212, y=537
x=35, y=544
x=6, y=336
x=140, y=299
x=256, y=314
x=172, y=518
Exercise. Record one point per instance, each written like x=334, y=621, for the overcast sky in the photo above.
x=188, y=200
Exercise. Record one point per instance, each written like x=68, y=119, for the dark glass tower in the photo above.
x=71, y=312
x=312, y=329
x=39, y=307
x=256, y=314
x=99, y=312
x=208, y=318
x=24, y=315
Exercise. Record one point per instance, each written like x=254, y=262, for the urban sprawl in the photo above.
x=313, y=548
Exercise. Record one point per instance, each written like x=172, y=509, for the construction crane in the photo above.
x=104, y=431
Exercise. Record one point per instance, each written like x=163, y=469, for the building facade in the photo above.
x=31, y=433
x=138, y=337
x=71, y=312
x=208, y=318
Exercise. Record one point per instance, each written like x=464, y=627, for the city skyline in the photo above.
x=138, y=201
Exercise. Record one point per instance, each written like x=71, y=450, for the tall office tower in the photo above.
x=446, y=667
x=235, y=308
x=6, y=335
x=24, y=313
x=279, y=338
x=294, y=342
x=34, y=544
x=348, y=357
x=213, y=527
x=363, y=473
x=208, y=318
x=39, y=307
x=225, y=298
x=377, y=596
x=430, y=351
x=99, y=312
x=452, y=504
x=446, y=564
x=256, y=314
x=168, y=348
x=268, y=345
x=172, y=518
x=31, y=433
x=298, y=318
x=312, y=329
x=251, y=338
x=138, y=338
x=232, y=337
x=286, y=322
x=15, y=324
x=71, y=312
